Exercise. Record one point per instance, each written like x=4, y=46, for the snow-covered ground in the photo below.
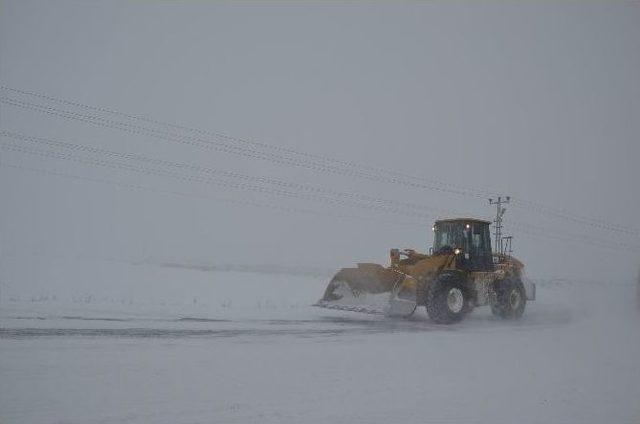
x=185, y=346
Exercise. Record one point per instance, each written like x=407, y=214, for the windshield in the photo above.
x=448, y=235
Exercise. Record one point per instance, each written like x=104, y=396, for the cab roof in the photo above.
x=479, y=221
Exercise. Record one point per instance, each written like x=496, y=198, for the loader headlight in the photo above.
x=457, y=251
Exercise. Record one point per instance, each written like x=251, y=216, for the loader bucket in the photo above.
x=371, y=288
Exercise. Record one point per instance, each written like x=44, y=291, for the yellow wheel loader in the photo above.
x=460, y=273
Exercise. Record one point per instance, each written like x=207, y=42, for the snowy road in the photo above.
x=573, y=358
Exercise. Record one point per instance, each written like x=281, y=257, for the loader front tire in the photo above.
x=447, y=300
x=510, y=299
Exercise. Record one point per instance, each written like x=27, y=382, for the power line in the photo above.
x=201, y=196
x=390, y=208
x=346, y=168
x=226, y=147
x=559, y=213
x=547, y=234
x=349, y=164
x=221, y=183
x=227, y=174
x=534, y=234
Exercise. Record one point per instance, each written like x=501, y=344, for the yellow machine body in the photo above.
x=399, y=288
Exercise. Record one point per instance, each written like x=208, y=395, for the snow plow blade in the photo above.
x=373, y=289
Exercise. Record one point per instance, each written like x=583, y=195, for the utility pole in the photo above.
x=500, y=210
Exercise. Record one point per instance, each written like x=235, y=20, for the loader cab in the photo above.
x=469, y=238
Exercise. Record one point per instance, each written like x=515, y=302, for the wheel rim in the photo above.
x=455, y=300
x=514, y=299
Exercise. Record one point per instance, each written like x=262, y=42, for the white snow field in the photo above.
x=226, y=347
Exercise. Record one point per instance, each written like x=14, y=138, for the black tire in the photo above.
x=438, y=300
x=511, y=299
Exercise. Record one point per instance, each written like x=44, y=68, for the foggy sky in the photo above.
x=536, y=100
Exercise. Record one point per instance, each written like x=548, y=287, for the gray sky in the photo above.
x=536, y=100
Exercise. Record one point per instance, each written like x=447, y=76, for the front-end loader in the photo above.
x=460, y=273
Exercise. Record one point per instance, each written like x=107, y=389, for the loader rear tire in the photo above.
x=447, y=300
x=511, y=299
